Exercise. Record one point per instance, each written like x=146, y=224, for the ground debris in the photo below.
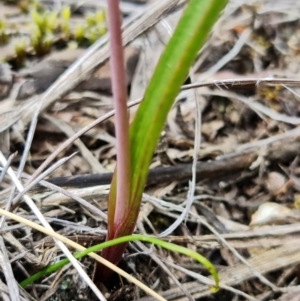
x=247, y=173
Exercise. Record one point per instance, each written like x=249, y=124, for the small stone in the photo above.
x=274, y=181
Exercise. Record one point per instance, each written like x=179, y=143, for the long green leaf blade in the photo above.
x=171, y=71
x=169, y=246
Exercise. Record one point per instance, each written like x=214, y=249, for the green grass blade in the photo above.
x=166, y=245
x=171, y=71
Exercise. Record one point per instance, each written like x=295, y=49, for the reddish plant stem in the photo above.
x=118, y=203
x=122, y=122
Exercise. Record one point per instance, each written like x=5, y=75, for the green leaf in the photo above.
x=166, y=245
x=171, y=71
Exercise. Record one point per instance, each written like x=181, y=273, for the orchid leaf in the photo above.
x=172, y=69
x=121, y=240
x=170, y=73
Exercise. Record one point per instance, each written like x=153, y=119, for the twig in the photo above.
x=180, y=172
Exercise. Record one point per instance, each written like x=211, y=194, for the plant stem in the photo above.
x=118, y=207
x=171, y=71
x=120, y=102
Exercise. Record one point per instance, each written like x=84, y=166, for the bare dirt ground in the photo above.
x=240, y=104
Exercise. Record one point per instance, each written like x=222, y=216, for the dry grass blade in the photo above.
x=237, y=255
x=42, y=219
x=41, y=177
x=257, y=107
x=4, y=293
x=92, y=58
x=235, y=82
x=250, y=115
x=228, y=57
x=73, y=138
x=77, y=198
x=208, y=281
x=28, y=256
x=267, y=237
x=230, y=82
x=7, y=270
x=192, y=183
x=268, y=261
x=65, y=128
x=155, y=258
x=81, y=248
x=5, y=168
x=215, y=232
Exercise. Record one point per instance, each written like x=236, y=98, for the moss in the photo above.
x=49, y=29
x=3, y=35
